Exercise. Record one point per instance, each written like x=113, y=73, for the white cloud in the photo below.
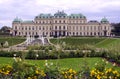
x=27, y=9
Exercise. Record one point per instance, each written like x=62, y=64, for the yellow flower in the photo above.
x=70, y=70
x=29, y=78
x=37, y=72
x=98, y=77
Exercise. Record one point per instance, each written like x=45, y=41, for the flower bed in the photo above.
x=23, y=70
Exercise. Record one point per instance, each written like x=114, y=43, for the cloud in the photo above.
x=28, y=9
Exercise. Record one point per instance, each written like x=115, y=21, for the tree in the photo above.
x=116, y=29
x=5, y=29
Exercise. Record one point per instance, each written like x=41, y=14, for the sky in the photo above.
x=28, y=9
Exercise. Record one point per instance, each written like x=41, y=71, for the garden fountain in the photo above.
x=30, y=40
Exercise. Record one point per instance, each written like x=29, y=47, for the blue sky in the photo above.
x=28, y=9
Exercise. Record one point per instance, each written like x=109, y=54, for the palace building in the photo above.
x=61, y=24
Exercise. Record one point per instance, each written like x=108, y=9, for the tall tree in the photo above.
x=116, y=29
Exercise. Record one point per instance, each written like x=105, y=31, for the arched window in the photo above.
x=55, y=21
x=26, y=33
x=73, y=33
x=43, y=22
x=16, y=27
x=26, y=28
x=29, y=28
x=64, y=21
x=60, y=21
x=36, y=33
x=94, y=33
x=32, y=33
x=87, y=33
x=55, y=27
x=76, y=33
x=22, y=28
x=29, y=33
x=39, y=28
x=43, y=28
x=91, y=33
x=32, y=28
x=64, y=27
x=59, y=27
x=19, y=33
x=105, y=27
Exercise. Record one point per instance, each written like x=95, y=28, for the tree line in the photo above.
x=116, y=29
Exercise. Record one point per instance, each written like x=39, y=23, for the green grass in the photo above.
x=78, y=40
x=97, y=42
x=74, y=63
x=109, y=43
x=12, y=40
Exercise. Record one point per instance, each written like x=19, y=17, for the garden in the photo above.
x=67, y=58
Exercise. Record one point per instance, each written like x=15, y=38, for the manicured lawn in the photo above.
x=109, y=43
x=97, y=42
x=78, y=40
x=12, y=40
x=75, y=63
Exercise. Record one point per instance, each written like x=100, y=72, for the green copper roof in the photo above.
x=77, y=16
x=104, y=20
x=44, y=15
x=60, y=14
x=17, y=19
x=27, y=21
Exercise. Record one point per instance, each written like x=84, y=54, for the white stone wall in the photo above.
x=71, y=27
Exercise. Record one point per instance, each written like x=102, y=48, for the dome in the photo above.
x=104, y=20
x=17, y=19
x=60, y=14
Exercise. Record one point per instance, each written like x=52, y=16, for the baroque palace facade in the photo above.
x=61, y=24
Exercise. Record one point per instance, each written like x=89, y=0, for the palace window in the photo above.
x=94, y=33
x=32, y=28
x=60, y=21
x=16, y=27
x=105, y=27
x=84, y=27
x=91, y=27
x=19, y=33
x=32, y=33
x=73, y=33
x=50, y=28
x=55, y=27
x=55, y=21
x=59, y=27
x=43, y=22
x=77, y=33
x=22, y=28
x=94, y=27
x=80, y=33
x=91, y=33
x=64, y=21
x=36, y=33
x=46, y=33
x=36, y=27
x=43, y=34
x=87, y=33
x=25, y=33
x=26, y=28
x=64, y=27
x=29, y=28
x=43, y=28
x=29, y=33
x=39, y=28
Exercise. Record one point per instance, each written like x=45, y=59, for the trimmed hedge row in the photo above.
x=112, y=56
